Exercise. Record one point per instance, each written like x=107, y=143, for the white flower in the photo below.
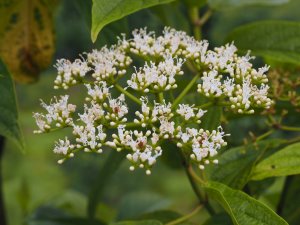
x=200, y=113
x=185, y=137
x=186, y=111
x=166, y=127
x=70, y=73
x=89, y=136
x=206, y=144
x=99, y=92
x=161, y=110
x=141, y=41
x=228, y=86
x=108, y=62
x=211, y=84
x=222, y=76
x=246, y=92
x=118, y=106
x=91, y=113
x=63, y=146
x=59, y=111
x=40, y=122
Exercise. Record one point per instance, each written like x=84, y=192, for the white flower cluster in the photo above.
x=232, y=78
x=157, y=78
x=58, y=112
x=204, y=144
x=108, y=121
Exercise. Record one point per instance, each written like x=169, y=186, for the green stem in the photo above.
x=129, y=95
x=195, y=20
x=193, y=178
x=128, y=125
x=205, y=17
x=185, y=91
x=293, y=140
x=194, y=175
x=160, y=97
x=259, y=138
x=186, y=217
x=287, y=128
x=205, y=105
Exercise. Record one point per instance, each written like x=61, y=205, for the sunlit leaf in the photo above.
x=219, y=219
x=243, y=158
x=282, y=163
x=26, y=37
x=228, y=4
x=276, y=40
x=107, y=11
x=242, y=208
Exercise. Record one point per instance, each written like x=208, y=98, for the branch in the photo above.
x=129, y=95
x=193, y=178
x=185, y=91
x=186, y=217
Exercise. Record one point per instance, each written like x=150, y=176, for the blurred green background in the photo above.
x=35, y=184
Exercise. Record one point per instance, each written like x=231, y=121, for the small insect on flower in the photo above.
x=134, y=106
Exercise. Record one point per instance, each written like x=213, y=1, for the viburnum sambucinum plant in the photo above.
x=220, y=75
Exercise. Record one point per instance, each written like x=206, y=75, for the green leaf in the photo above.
x=110, y=166
x=52, y=216
x=27, y=37
x=142, y=222
x=137, y=203
x=291, y=206
x=212, y=118
x=282, y=163
x=277, y=40
x=171, y=15
x=228, y=4
x=107, y=11
x=171, y=156
x=198, y=3
x=235, y=164
x=219, y=219
x=163, y=216
x=258, y=188
x=65, y=221
x=9, y=121
x=242, y=208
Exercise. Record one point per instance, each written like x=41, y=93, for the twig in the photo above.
x=193, y=178
x=186, y=217
x=287, y=128
x=195, y=18
x=129, y=95
x=185, y=91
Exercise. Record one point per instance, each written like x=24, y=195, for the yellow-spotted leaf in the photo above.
x=26, y=37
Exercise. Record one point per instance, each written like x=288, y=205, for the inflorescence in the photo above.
x=221, y=76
